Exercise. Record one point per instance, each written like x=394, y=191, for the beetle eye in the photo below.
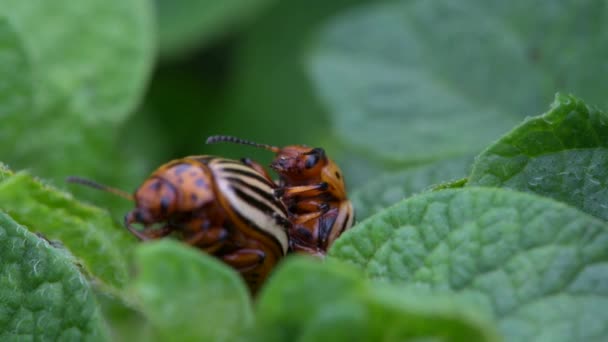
x=313, y=157
x=311, y=161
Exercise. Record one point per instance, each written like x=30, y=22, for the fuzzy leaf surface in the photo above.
x=188, y=295
x=561, y=154
x=539, y=266
x=43, y=296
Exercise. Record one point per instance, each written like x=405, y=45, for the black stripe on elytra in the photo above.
x=261, y=206
x=252, y=174
x=228, y=161
x=251, y=224
x=264, y=194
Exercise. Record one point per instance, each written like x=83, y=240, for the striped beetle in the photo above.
x=221, y=206
x=312, y=188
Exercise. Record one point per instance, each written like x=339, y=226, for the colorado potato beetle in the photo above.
x=221, y=206
x=312, y=188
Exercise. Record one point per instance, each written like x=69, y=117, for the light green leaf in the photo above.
x=87, y=232
x=186, y=24
x=541, y=266
x=389, y=189
x=423, y=80
x=15, y=78
x=188, y=295
x=5, y=172
x=42, y=294
x=307, y=300
x=454, y=184
x=96, y=51
x=81, y=69
x=561, y=154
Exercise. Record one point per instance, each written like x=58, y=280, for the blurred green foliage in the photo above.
x=400, y=93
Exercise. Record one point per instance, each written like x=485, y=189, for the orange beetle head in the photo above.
x=298, y=162
x=302, y=165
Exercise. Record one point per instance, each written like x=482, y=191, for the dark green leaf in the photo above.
x=421, y=80
x=561, y=154
x=540, y=266
x=43, y=296
x=188, y=295
x=185, y=24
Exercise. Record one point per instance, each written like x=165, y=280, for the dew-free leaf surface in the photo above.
x=307, y=300
x=43, y=296
x=539, y=265
x=561, y=154
x=87, y=232
x=188, y=295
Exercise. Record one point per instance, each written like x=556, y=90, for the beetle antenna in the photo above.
x=99, y=186
x=214, y=139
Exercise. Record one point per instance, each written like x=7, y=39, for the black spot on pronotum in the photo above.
x=338, y=175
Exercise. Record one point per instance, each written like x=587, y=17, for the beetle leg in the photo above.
x=257, y=167
x=245, y=259
x=299, y=219
x=301, y=190
x=308, y=206
x=149, y=234
x=211, y=239
x=304, y=248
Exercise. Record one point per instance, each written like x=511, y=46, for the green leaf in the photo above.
x=307, y=300
x=42, y=294
x=561, y=154
x=77, y=71
x=186, y=24
x=101, y=56
x=539, y=265
x=16, y=80
x=455, y=184
x=423, y=80
x=188, y=295
x=389, y=189
x=87, y=232
x=5, y=172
